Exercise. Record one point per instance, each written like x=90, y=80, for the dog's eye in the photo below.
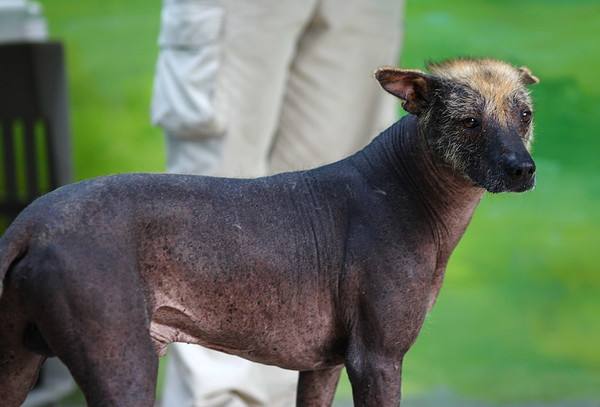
x=526, y=115
x=470, y=122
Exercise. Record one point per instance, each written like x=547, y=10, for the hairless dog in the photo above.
x=311, y=270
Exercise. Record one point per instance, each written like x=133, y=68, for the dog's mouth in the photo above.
x=504, y=175
x=503, y=184
x=524, y=186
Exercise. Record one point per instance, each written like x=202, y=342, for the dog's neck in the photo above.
x=400, y=160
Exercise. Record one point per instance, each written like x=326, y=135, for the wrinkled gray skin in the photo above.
x=307, y=270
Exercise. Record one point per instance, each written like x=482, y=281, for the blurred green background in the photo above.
x=518, y=317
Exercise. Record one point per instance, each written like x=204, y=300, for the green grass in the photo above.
x=111, y=51
x=517, y=319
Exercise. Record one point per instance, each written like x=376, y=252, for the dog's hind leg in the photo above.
x=96, y=322
x=19, y=366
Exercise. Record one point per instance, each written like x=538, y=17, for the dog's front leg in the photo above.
x=375, y=378
x=316, y=388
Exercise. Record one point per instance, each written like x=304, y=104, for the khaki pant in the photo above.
x=246, y=88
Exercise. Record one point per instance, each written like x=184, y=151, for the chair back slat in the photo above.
x=32, y=186
x=8, y=151
x=50, y=140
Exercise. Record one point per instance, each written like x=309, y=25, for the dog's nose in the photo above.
x=520, y=169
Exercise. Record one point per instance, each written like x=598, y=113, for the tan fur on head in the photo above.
x=472, y=68
x=496, y=81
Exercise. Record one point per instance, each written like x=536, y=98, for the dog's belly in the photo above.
x=291, y=333
x=293, y=344
x=264, y=308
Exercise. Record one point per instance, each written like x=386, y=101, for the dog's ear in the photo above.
x=410, y=85
x=527, y=77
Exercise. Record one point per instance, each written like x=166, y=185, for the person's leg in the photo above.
x=197, y=376
x=259, y=44
x=199, y=157
x=221, y=76
x=333, y=105
x=184, y=100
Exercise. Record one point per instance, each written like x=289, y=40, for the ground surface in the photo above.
x=517, y=319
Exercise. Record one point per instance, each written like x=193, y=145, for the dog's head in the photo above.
x=476, y=115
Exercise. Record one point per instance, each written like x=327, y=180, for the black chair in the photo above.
x=34, y=124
